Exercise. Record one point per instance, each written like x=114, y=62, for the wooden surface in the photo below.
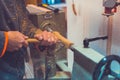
x=35, y=2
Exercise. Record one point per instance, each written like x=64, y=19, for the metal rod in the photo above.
x=86, y=41
x=109, y=33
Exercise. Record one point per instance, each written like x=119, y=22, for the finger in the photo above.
x=53, y=39
x=45, y=35
x=19, y=46
x=25, y=37
x=21, y=41
x=25, y=44
x=39, y=36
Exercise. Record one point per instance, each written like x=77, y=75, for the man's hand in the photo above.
x=46, y=38
x=16, y=40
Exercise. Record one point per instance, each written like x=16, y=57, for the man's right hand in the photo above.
x=16, y=40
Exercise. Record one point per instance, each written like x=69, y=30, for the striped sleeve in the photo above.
x=3, y=42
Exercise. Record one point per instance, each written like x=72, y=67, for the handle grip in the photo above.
x=65, y=41
x=32, y=40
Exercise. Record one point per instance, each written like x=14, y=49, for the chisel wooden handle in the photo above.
x=65, y=41
x=32, y=40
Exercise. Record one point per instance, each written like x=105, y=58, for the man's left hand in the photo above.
x=46, y=38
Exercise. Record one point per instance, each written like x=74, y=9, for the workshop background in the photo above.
x=90, y=23
x=86, y=19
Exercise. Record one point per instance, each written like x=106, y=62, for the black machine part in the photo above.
x=103, y=68
x=109, y=3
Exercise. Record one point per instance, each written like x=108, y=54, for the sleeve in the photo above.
x=3, y=42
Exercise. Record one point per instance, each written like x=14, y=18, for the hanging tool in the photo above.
x=73, y=7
